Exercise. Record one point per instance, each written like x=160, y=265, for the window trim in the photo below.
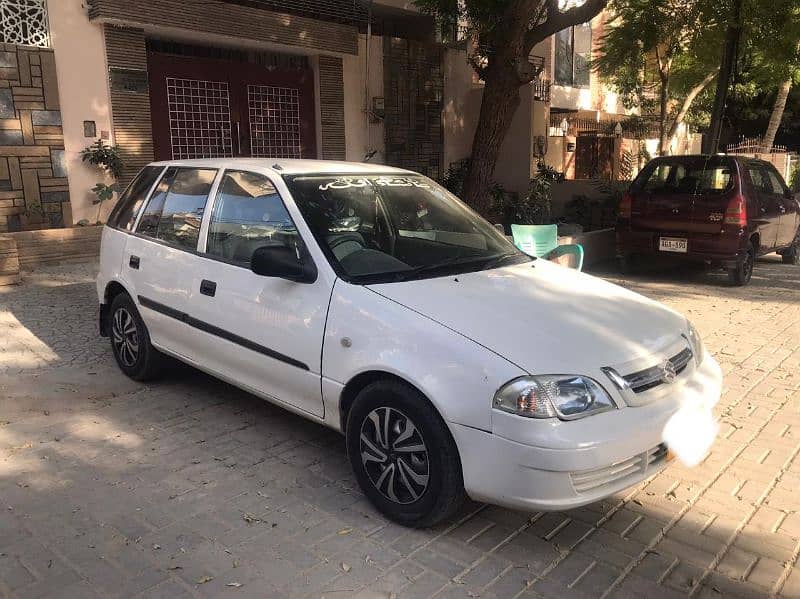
x=203, y=222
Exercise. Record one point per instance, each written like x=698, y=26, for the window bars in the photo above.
x=24, y=22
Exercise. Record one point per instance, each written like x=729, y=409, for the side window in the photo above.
x=248, y=214
x=757, y=178
x=775, y=180
x=148, y=224
x=127, y=208
x=175, y=209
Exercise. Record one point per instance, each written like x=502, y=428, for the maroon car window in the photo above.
x=693, y=176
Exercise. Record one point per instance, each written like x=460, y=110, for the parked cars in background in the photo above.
x=370, y=300
x=722, y=210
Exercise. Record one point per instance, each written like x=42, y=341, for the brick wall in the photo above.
x=414, y=88
x=33, y=179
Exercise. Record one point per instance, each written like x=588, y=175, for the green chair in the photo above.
x=542, y=241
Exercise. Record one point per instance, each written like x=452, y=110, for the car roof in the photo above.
x=287, y=166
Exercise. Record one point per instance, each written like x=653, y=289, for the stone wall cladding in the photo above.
x=33, y=182
x=209, y=16
x=130, y=111
x=331, y=97
x=414, y=88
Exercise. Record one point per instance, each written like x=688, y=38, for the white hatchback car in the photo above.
x=371, y=300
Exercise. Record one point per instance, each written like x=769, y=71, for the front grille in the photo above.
x=652, y=377
x=633, y=469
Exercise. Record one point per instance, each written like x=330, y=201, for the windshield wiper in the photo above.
x=496, y=261
x=456, y=260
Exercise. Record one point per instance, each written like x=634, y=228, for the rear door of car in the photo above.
x=659, y=202
x=159, y=256
x=264, y=333
x=768, y=206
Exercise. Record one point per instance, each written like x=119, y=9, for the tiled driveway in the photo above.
x=190, y=487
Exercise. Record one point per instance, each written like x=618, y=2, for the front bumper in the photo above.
x=587, y=460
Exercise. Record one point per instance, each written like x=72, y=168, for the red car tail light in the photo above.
x=736, y=213
x=625, y=206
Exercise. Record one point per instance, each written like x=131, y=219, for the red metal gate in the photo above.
x=210, y=108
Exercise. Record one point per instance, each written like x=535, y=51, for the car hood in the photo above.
x=543, y=317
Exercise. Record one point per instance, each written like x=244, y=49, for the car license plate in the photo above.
x=673, y=244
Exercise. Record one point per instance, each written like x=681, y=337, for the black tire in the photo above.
x=740, y=275
x=791, y=255
x=130, y=341
x=626, y=264
x=414, y=503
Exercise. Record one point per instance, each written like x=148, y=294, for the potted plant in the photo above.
x=107, y=158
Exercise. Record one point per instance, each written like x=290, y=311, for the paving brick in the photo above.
x=136, y=467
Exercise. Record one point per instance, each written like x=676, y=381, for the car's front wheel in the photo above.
x=403, y=455
x=130, y=341
x=741, y=274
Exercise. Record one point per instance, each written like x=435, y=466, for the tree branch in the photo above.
x=687, y=103
x=557, y=20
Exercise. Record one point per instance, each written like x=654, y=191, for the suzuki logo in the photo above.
x=668, y=373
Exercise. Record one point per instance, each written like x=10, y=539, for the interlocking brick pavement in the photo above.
x=190, y=487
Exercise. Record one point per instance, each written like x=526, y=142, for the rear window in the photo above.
x=698, y=176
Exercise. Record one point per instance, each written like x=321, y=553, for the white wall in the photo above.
x=361, y=138
x=83, y=94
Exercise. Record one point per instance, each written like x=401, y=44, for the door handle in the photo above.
x=208, y=288
x=134, y=262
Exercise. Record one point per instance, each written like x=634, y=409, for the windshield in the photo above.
x=384, y=228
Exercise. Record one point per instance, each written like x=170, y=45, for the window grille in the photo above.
x=24, y=22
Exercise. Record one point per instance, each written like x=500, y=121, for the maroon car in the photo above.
x=722, y=210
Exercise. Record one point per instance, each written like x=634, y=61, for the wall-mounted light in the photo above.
x=618, y=129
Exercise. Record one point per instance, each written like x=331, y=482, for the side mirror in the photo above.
x=283, y=262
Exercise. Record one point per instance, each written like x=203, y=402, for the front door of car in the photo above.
x=263, y=333
x=159, y=256
x=769, y=206
x=787, y=227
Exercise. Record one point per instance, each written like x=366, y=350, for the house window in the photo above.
x=573, y=53
x=24, y=22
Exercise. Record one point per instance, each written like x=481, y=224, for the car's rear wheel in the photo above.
x=741, y=274
x=791, y=255
x=130, y=341
x=403, y=455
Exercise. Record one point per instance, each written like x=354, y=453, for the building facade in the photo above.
x=333, y=79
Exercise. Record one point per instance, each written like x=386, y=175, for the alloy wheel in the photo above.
x=394, y=455
x=125, y=337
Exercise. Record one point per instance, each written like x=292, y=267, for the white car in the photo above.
x=370, y=300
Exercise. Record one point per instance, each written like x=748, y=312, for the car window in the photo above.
x=127, y=208
x=385, y=228
x=248, y=214
x=775, y=180
x=760, y=179
x=695, y=176
x=175, y=209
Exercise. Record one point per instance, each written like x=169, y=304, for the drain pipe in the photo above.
x=368, y=148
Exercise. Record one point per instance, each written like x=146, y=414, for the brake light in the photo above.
x=625, y=206
x=736, y=214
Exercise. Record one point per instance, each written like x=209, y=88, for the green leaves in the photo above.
x=105, y=156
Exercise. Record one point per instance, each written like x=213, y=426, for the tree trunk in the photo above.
x=500, y=101
x=777, y=114
x=687, y=103
x=662, y=116
x=732, y=35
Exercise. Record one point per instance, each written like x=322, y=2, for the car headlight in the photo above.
x=698, y=351
x=564, y=396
